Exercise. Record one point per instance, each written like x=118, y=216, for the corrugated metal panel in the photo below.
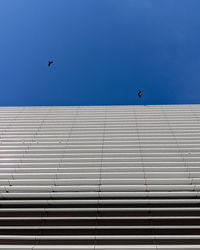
x=106, y=177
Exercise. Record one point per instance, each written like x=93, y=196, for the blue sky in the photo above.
x=104, y=51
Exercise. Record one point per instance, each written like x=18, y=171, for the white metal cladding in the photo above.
x=105, y=177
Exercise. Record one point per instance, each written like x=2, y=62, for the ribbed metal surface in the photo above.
x=110, y=177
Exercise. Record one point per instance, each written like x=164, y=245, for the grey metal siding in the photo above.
x=104, y=177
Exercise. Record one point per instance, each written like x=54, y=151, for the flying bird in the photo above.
x=49, y=63
x=140, y=94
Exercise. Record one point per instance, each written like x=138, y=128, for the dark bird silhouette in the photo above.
x=140, y=94
x=49, y=63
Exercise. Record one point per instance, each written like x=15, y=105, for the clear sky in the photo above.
x=104, y=51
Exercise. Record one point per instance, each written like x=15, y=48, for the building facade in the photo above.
x=104, y=177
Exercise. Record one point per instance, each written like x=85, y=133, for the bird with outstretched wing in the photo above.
x=49, y=63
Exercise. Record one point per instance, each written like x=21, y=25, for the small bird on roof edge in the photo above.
x=140, y=94
x=49, y=63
